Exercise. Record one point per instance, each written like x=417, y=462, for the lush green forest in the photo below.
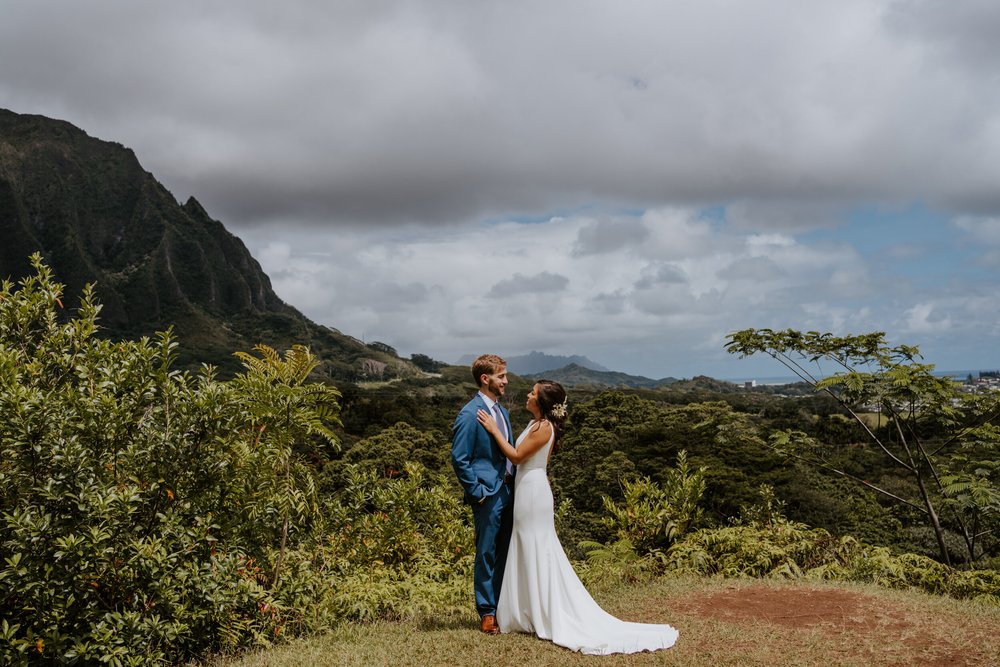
x=152, y=515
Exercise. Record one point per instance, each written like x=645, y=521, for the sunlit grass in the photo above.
x=888, y=628
x=872, y=420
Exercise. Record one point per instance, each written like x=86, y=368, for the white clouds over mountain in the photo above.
x=627, y=180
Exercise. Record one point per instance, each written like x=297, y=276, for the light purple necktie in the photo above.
x=503, y=429
x=500, y=421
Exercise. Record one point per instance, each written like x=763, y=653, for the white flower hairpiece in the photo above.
x=558, y=410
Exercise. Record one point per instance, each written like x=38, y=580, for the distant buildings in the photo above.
x=987, y=381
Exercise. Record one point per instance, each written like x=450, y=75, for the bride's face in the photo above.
x=532, y=403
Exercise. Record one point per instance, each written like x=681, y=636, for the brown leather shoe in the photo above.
x=489, y=625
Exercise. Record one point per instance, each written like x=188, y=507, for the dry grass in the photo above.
x=721, y=622
x=874, y=420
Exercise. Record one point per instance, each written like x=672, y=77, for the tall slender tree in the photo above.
x=945, y=441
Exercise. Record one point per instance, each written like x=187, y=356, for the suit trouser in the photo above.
x=493, y=520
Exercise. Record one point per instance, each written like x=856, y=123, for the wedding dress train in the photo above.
x=542, y=594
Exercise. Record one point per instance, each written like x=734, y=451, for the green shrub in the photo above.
x=786, y=549
x=652, y=515
x=403, y=547
x=781, y=548
x=144, y=510
x=615, y=563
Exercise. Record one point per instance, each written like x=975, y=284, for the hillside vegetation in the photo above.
x=154, y=516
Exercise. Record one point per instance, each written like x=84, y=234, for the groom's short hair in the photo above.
x=488, y=364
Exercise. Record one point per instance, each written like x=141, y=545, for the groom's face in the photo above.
x=496, y=383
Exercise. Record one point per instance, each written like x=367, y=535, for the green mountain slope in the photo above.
x=97, y=216
x=574, y=375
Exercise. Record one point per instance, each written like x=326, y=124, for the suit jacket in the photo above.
x=475, y=456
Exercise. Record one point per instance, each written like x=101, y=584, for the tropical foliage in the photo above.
x=151, y=515
x=144, y=510
x=652, y=516
x=945, y=442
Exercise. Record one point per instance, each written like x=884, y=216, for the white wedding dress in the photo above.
x=542, y=594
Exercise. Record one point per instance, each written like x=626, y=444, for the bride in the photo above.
x=541, y=593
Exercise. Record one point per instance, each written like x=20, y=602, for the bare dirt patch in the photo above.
x=794, y=608
x=871, y=629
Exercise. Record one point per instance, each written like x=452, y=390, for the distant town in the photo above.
x=972, y=382
x=987, y=381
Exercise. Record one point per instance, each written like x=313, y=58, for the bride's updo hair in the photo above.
x=552, y=403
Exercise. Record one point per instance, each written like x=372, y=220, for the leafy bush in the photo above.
x=652, y=515
x=403, y=548
x=144, y=510
x=781, y=548
x=786, y=549
x=616, y=562
x=387, y=453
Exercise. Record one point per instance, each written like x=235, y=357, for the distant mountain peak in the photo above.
x=537, y=362
x=574, y=375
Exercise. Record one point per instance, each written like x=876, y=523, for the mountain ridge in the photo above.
x=96, y=216
x=574, y=375
x=536, y=362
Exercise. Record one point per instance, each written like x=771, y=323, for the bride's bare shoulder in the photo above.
x=541, y=425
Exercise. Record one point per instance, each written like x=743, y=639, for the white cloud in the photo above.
x=756, y=269
x=981, y=229
x=686, y=166
x=515, y=287
x=925, y=318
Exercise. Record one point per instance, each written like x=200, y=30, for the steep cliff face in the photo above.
x=97, y=216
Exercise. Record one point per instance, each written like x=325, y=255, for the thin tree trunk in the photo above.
x=924, y=495
x=281, y=553
x=938, y=531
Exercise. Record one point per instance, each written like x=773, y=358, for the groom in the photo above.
x=487, y=479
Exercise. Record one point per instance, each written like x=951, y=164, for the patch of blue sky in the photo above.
x=714, y=215
x=911, y=242
x=533, y=218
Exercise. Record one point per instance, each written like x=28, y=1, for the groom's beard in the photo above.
x=496, y=388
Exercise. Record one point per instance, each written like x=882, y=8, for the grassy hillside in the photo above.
x=721, y=622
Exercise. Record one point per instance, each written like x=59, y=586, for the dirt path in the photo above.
x=856, y=626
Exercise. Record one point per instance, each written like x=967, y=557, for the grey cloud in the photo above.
x=990, y=258
x=964, y=31
x=384, y=112
x=520, y=284
x=756, y=269
x=659, y=276
x=409, y=293
x=982, y=230
x=609, y=303
x=605, y=236
x=664, y=303
x=787, y=215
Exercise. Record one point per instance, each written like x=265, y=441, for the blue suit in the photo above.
x=481, y=467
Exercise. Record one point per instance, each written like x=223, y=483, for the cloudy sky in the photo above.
x=627, y=180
